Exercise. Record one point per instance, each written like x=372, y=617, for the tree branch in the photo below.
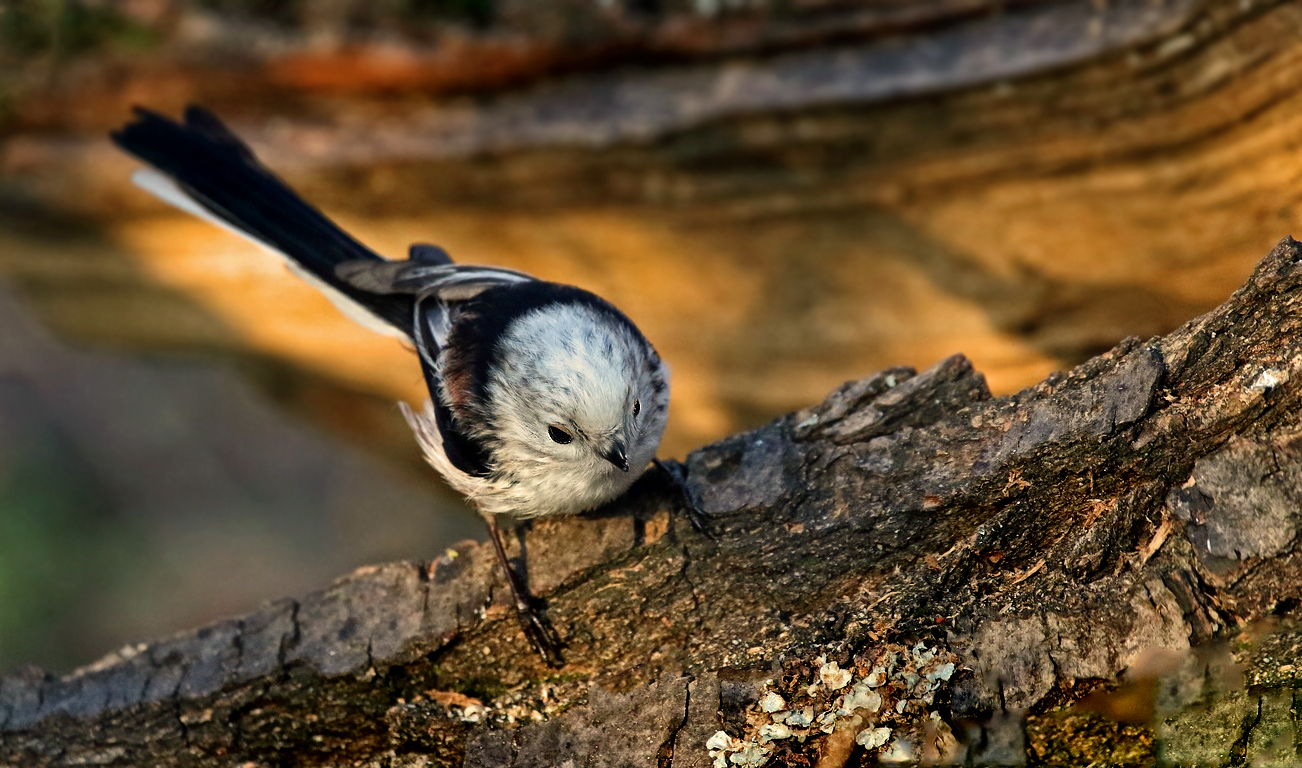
x=1038, y=543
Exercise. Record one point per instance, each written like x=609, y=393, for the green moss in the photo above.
x=482, y=688
x=1087, y=738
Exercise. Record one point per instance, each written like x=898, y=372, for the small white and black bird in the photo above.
x=544, y=399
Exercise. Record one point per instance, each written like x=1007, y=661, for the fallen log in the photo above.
x=910, y=569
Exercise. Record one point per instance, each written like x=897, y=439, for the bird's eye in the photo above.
x=637, y=406
x=559, y=435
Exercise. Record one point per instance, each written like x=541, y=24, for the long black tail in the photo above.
x=219, y=173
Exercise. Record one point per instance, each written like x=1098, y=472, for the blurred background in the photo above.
x=783, y=194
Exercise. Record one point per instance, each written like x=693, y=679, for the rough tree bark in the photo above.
x=907, y=568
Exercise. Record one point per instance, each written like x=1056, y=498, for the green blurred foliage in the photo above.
x=59, y=546
x=58, y=29
x=37, y=36
x=359, y=14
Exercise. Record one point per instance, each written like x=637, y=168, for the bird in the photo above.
x=544, y=398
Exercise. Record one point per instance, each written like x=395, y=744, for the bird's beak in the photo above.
x=617, y=455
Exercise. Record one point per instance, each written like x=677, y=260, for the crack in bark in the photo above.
x=175, y=694
x=665, y=754
x=287, y=642
x=237, y=640
x=425, y=574
x=1239, y=749
x=144, y=686
x=1197, y=602
x=182, y=728
x=696, y=620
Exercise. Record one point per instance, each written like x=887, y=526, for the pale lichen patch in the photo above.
x=881, y=700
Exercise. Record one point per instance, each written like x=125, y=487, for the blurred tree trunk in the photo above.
x=992, y=177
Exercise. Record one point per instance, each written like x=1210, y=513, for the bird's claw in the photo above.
x=540, y=633
x=676, y=475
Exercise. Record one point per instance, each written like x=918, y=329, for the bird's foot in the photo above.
x=540, y=633
x=676, y=475
x=531, y=611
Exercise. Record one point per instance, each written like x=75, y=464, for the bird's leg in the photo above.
x=676, y=476
x=539, y=631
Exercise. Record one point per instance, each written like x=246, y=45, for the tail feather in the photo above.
x=216, y=176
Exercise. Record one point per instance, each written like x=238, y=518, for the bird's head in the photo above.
x=575, y=389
